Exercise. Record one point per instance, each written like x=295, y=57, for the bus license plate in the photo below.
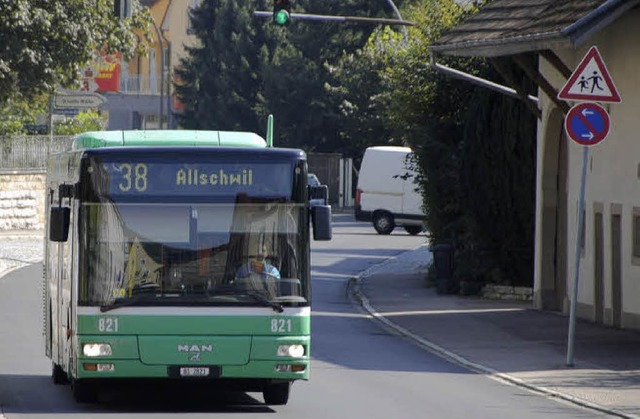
x=194, y=371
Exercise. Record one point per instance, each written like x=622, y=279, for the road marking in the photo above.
x=340, y=314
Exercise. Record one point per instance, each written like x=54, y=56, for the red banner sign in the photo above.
x=103, y=75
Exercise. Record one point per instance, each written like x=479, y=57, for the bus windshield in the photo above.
x=176, y=234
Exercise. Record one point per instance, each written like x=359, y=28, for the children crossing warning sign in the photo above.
x=591, y=81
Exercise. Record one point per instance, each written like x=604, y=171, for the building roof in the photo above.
x=507, y=27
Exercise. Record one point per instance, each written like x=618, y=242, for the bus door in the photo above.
x=54, y=278
x=72, y=273
x=64, y=279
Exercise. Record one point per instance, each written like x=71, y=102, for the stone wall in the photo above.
x=22, y=199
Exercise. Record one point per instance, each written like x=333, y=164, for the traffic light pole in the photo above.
x=325, y=18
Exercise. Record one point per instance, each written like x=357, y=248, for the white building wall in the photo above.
x=613, y=170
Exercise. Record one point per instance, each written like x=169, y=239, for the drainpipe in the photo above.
x=478, y=80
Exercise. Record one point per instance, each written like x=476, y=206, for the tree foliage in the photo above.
x=426, y=110
x=220, y=81
x=90, y=120
x=476, y=149
x=498, y=185
x=46, y=42
x=15, y=114
x=246, y=68
x=357, y=86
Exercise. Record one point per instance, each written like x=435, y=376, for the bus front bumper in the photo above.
x=277, y=370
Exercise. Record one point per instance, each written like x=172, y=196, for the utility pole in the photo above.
x=161, y=47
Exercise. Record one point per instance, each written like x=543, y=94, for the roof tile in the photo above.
x=517, y=18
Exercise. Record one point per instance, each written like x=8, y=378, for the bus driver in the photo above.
x=259, y=265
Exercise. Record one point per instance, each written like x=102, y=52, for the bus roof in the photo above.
x=100, y=139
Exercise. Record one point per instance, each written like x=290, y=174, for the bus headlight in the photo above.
x=96, y=349
x=293, y=351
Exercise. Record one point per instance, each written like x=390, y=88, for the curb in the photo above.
x=355, y=293
x=7, y=270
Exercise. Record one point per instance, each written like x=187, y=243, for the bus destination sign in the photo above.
x=217, y=179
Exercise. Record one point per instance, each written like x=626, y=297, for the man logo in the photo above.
x=195, y=348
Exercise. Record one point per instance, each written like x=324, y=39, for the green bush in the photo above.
x=85, y=121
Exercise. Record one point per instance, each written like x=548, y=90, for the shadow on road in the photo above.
x=29, y=394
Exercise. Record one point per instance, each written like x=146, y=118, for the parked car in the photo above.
x=317, y=194
x=386, y=194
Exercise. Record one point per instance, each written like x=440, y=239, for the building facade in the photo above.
x=606, y=259
x=146, y=98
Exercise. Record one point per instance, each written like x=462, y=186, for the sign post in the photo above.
x=587, y=124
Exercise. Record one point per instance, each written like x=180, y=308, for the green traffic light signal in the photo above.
x=281, y=17
x=281, y=12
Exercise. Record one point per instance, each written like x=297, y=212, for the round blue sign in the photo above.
x=587, y=123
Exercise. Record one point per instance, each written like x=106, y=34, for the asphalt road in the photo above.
x=358, y=368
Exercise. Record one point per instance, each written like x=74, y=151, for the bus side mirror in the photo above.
x=59, y=224
x=321, y=221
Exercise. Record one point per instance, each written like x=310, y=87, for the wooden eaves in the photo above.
x=517, y=30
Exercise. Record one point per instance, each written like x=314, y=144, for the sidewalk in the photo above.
x=20, y=248
x=508, y=340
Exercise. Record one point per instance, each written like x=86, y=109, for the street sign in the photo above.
x=587, y=123
x=78, y=100
x=590, y=81
x=66, y=111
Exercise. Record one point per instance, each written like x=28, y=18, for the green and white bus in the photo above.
x=146, y=232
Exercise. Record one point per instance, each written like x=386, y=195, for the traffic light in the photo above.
x=281, y=12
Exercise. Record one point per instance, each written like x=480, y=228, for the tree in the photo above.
x=498, y=185
x=90, y=120
x=246, y=68
x=417, y=106
x=48, y=41
x=460, y=131
x=313, y=119
x=357, y=85
x=220, y=82
x=15, y=114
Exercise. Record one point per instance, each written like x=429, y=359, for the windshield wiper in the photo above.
x=277, y=307
x=233, y=290
x=124, y=302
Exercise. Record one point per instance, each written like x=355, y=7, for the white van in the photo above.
x=386, y=193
